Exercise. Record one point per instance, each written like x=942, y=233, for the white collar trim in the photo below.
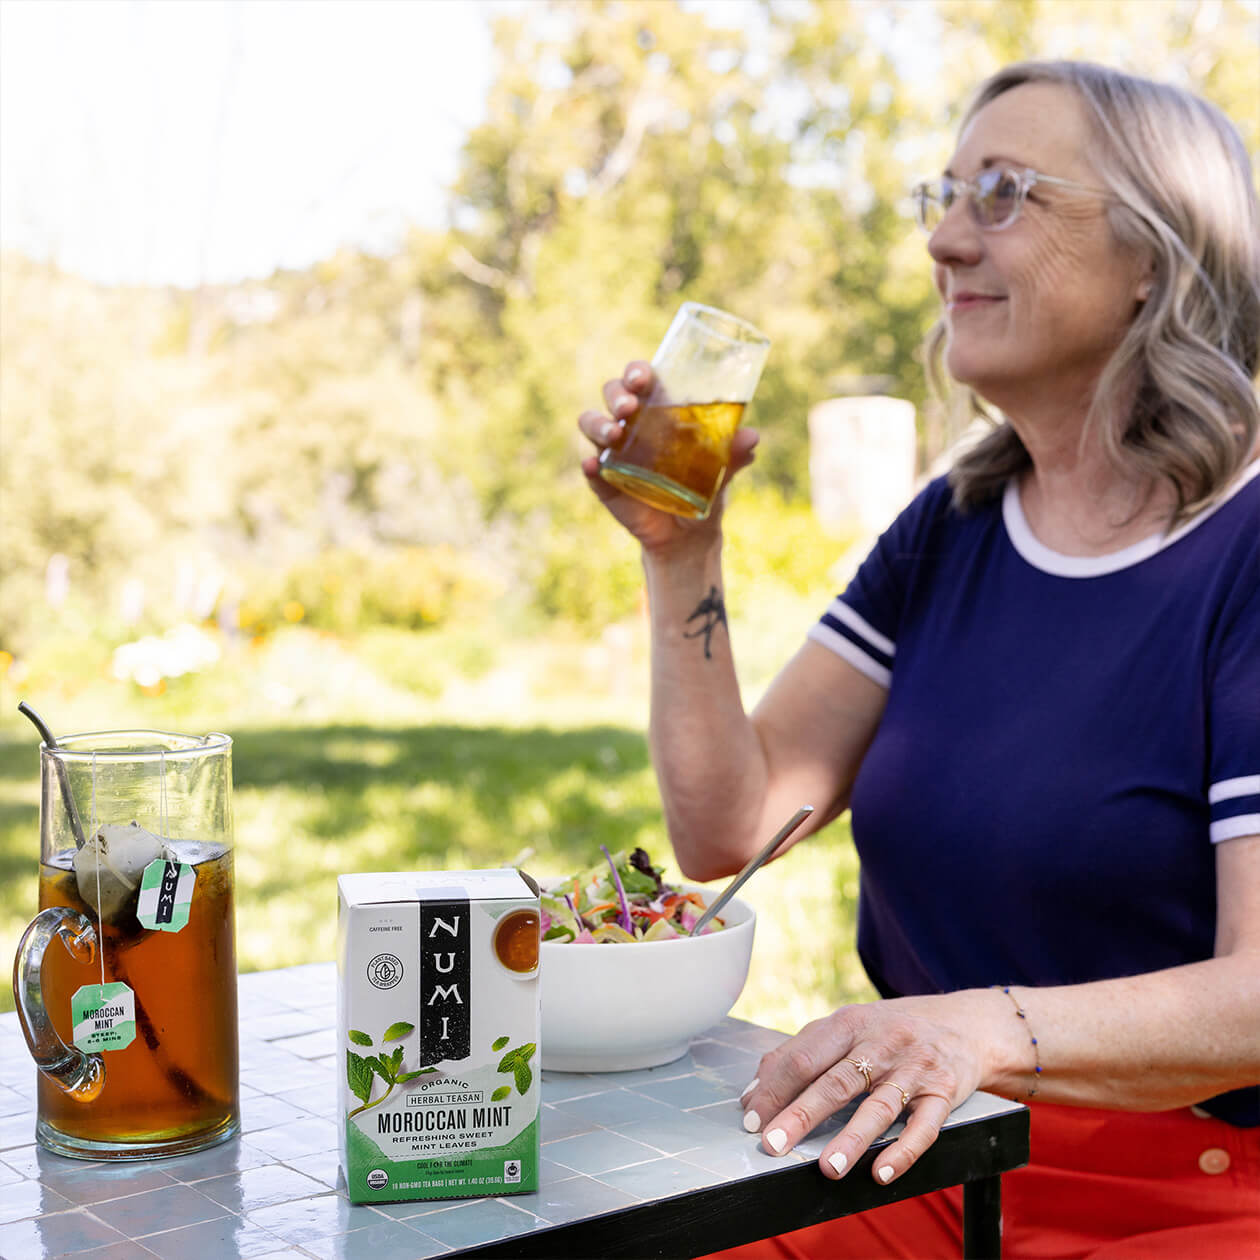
x=1044, y=558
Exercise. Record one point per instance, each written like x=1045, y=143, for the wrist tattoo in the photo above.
x=712, y=610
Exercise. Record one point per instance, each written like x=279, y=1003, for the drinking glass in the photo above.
x=674, y=451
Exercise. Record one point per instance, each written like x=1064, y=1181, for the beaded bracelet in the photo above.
x=1023, y=1014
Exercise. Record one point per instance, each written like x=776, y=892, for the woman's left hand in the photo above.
x=925, y=1055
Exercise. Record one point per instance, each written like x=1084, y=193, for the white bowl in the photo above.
x=612, y=1008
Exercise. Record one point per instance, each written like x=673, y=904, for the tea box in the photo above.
x=437, y=1022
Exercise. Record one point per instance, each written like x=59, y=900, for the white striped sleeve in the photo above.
x=851, y=636
x=1235, y=805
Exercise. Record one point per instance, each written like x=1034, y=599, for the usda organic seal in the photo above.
x=377, y=1179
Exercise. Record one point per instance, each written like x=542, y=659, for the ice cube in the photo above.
x=113, y=861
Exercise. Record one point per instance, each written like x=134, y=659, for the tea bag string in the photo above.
x=163, y=820
x=100, y=923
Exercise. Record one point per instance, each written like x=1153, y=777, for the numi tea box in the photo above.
x=437, y=1015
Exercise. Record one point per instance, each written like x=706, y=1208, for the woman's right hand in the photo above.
x=654, y=529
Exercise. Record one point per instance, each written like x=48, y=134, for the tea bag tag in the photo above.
x=166, y=892
x=104, y=1016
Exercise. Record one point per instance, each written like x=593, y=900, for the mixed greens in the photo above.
x=621, y=900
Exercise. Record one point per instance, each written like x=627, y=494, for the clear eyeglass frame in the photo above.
x=995, y=196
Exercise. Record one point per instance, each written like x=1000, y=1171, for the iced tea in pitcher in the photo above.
x=179, y=1074
x=133, y=1023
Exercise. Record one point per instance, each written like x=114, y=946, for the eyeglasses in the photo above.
x=994, y=197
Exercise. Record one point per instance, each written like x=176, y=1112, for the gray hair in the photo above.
x=1176, y=403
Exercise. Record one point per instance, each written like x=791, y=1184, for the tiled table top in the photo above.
x=609, y=1142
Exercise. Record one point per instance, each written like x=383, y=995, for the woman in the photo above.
x=1040, y=695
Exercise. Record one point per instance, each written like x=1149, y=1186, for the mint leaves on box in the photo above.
x=517, y=1062
x=361, y=1069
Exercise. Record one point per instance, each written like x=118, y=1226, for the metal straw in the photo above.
x=738, y=882
x=63, y=779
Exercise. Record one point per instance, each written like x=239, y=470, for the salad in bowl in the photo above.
x=621, y=900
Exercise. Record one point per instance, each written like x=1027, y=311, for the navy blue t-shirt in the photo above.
x=1065, y=741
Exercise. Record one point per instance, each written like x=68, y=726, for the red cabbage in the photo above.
x=626, y=921
x=581, y=922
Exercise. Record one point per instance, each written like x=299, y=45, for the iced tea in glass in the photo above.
x=674, y=451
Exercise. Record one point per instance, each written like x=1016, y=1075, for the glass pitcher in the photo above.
x=126, y=979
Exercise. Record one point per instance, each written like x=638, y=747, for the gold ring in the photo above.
x=905, y=1098
x=864, y=1066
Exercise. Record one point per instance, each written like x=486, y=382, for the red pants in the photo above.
x=1108, y=1185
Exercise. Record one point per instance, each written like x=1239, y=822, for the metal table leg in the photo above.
x=982, y=1219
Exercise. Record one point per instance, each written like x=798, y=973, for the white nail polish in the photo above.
x=752, y=1122
x=748, y=1089
x=886, y=1174
x=838, y=1162
x=776, y=1139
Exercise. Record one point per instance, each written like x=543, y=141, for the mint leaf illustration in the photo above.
x=361, y=1069
x=501, y=1093
x=359, y=1076
x=411, y=1076
x=524, y=1076
x=517, y=1062
x=499, y=1043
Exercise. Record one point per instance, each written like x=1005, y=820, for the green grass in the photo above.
x=433, y=752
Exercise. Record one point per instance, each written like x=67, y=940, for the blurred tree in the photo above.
x=95, y=438
x=621, y=169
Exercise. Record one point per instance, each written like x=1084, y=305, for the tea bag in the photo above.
x=112, y=861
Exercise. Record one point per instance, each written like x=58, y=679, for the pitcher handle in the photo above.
x=82, y=1076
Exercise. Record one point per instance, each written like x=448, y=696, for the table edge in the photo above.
x=722, y=1214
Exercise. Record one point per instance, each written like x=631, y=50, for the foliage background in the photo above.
x=338, y=511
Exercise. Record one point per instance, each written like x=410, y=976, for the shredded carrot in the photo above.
x=675, y=898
